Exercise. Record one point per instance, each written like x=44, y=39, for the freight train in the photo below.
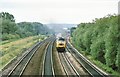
x=61, y=44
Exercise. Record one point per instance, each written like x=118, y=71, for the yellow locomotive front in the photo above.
x=60, y=44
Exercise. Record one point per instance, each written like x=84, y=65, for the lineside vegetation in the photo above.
x=10, y=30
x=100, y=40
x=15, y=48
x=15, y=38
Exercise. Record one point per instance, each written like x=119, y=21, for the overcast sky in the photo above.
x=59, y=11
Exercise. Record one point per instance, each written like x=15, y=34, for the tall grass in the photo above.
x=14, y=48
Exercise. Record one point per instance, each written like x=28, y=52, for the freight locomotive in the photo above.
x=61, y=44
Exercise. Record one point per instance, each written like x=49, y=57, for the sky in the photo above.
x=59, y=11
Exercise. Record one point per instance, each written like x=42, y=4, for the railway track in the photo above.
x=22, y=63
x=47, y=61
x=35, y=65
x=68, y=67
x=87, y=65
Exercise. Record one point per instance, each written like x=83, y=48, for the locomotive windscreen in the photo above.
x=61, y=39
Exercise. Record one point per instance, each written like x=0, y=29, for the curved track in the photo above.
x=68, y=67
x=20, y=66
x=47, y=61
x=88, y=66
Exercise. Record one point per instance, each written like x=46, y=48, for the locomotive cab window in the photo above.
x=61, y=39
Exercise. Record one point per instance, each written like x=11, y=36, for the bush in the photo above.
x=101, y=39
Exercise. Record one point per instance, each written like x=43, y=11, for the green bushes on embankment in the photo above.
x=101, y=40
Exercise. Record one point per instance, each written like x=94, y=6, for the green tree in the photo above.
x=101, y=39
x=8, y=25
x=111, y=42
x=7, y=16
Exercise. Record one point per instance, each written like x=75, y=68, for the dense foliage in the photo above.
x=101, y=39
x=32, y=28
x=72, y=30
x=11, y=30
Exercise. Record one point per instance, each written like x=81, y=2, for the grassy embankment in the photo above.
x=11, y=49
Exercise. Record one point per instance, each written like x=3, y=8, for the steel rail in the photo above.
x=66, y=57
x=68, y=68
x=78, y=60
x=47, y=61
x=61, y=60
x=52, y=58
x=30, y=53
x=87, y=65
x=30, y=59
x=44, y=60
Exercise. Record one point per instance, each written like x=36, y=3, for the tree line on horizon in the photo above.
x=100, y=39
x=12, y=30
